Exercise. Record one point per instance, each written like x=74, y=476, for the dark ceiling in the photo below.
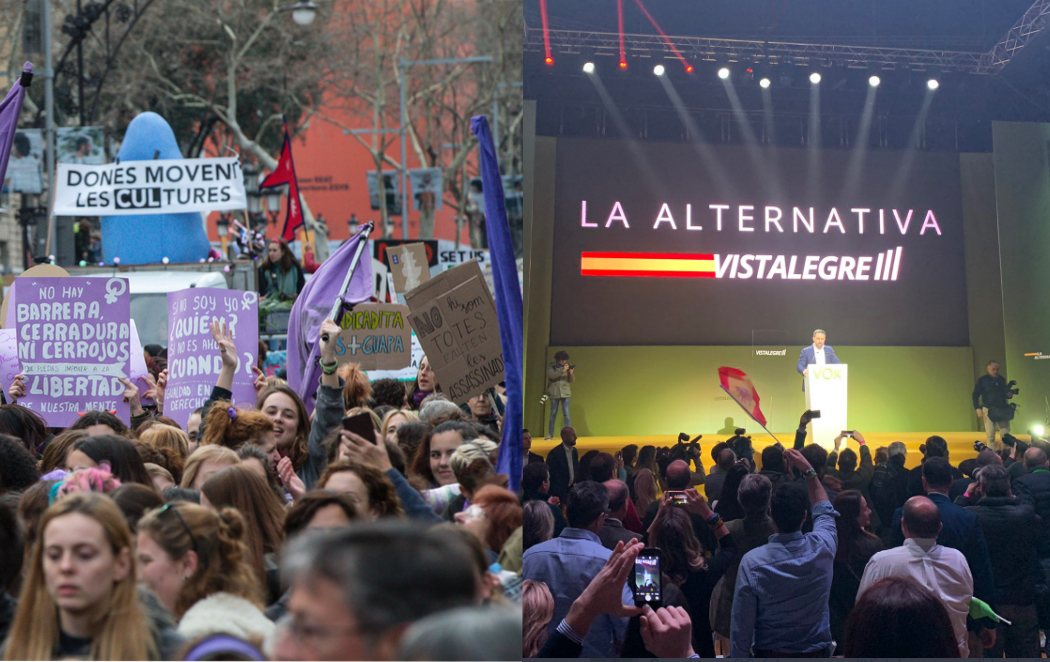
x=959, y=116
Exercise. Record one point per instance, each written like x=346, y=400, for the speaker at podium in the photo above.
x=826, y=392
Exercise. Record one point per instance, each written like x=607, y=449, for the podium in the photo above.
x=826, y=393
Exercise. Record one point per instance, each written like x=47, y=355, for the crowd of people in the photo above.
x=262, y=530
x=787, y=552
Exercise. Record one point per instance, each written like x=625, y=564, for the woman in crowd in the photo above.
x=483, y=410
x=896, y=617
x=163, y=457
x=357, y=390
x=100, y=423
x=431, y=463
x=493, y=515
x=54, y=455
x=280, y=275
x=537, y=523
x=80, y=598
x=682, y=560
x=373, y=494
x=425, y=384
x=226, y=425
x=238, y=487
x=320, y=509
x=204, y=463
x=856, y=546
x=728, y=505
x=471, y=464
x=254, y=458
x=393, y=420
x=644, y=489
x=135, y=501
x=537, y=608
x=17, y=466
x=160, y=435
x=196, y=562
x=119, y=453
x=23, y=424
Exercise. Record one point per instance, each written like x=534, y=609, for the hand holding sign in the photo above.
x=17, y=388
x=131, y=396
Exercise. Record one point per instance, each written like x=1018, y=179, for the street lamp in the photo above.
x=403, y=66
x=303, y=12
x=273, y=203
x=251, y=190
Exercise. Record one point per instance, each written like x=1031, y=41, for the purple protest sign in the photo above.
x=74, y=344
x=9, y=366
x=193, y=360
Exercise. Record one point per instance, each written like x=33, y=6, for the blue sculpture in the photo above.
x=148, y=238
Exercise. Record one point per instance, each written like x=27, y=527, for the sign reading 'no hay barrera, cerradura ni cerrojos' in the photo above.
x=144, y=187
x=74, y=345
x=711, y=245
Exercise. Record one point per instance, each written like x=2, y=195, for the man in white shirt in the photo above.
x=818, y=353
x=940, y=569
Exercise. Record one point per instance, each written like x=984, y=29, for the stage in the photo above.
x=960, y=444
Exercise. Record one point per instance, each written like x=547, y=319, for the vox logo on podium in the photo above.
x=828, y=372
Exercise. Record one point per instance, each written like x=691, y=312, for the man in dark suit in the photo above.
x=612, y=530
x=818, y=353
x=526, y=448
x=564, y=464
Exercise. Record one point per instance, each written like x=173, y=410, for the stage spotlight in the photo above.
x=549, y=61
x=1038, y=430
x=815, y=78
x=764, y=83
x=932, y=84
x=723, y=73
x=588, y=67
x=874, y=80
x=659, y=70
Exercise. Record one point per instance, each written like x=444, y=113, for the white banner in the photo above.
x=150, y=187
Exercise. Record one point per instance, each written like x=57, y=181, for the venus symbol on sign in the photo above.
x=115, y=287
x=248, y=300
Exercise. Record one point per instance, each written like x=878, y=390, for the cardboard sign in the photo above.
x=149, y=187
x=375, y=335
x=455, y=319
x=194, y=361
x=74, y=344
x=409, y=266
x=380, y=247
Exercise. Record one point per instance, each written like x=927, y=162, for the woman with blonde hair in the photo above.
x=80, y=598
x=357, y=389
x=160, y=435
x=196, y=563
x=644, y=489
x=205, y=462
x=537, y=609
x=393, y=420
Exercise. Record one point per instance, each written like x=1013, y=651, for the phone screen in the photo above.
x=678, y=498
x=361, y=424
x=647, y=578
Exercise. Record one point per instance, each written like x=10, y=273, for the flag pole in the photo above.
x=358, y=250
x=750, y=416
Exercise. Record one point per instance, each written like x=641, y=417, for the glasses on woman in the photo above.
x=168, y=507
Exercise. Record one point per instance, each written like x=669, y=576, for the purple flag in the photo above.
x=328, y=285
x=10, y=109
x=508, y=300
x=193, y=363
x=74, y=344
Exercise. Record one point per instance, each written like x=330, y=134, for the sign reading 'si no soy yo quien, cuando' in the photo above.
x=74, y=346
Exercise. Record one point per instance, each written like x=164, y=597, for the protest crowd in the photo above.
x=787, y=552
x=273, y=531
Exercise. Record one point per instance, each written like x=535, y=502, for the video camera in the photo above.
x=686, y=449
x=1011, y=388
x=740, y=444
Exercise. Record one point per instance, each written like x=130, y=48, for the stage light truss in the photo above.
x=710, y=49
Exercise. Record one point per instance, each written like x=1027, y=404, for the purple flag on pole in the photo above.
x=508, y=300
x=315, y=303
x=10, y=109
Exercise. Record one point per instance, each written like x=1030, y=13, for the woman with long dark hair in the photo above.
x=897, y=617
x=280, y=274
x=856, y=546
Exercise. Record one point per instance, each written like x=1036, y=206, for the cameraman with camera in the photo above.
x=990, y=396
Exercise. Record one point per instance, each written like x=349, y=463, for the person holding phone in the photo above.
x=560, y=376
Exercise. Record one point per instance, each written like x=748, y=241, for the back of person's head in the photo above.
x=25, y=425
x=935, y=446
x=847, y=460
x=897, y=452
x=12, y=549
x=726, y=458
x=229, y=426
x=387, y=574
x=503, y=513
x=754, y=494
x=629, y=453
x=920, y=518
x=357, y=390
x=124, y=460
x=603, y=467
x=466, y=633
x=896, y=617
x=647, y=456
x=816, y=456
x=218, y=540
x=439, y=412
x=472, y=464
x=788, y=507
x=167, y=436
x=31, y=506
x=937, y=472
x=533, y=476
x=1034, y=458
x=773, y=458
x=135, y=500
x=17, y=466
x=161, y=456
x=54, y=455
x=410, y=436
x=537, y=610
x=205, y=455
x=537, y=524
x=587, y=501
x=994, y=481
x=680, y=550
x=240, y=488
x=678, y=476
x=302, y=513
x=988, y=457
x=618, y=494
x=389, y=392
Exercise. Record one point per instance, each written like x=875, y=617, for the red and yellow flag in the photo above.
x=648, y=265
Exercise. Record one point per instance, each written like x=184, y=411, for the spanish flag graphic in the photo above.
x=648, y=265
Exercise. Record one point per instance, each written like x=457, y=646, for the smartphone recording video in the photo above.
x=678, y=497
x=647, y=578
x=361, y=424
